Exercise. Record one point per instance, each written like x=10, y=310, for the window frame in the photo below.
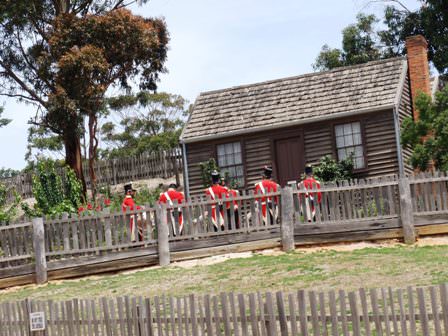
x=363, y=141
x=243, y=157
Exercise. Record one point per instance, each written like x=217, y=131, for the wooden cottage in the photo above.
x=289, y=122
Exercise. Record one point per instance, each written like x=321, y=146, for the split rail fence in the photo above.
x=162, y=164
x=65, y=247
x=385, y=311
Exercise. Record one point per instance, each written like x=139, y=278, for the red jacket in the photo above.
x=311, y=183
x=170, y=195
x=265, y=187
x=129, y=204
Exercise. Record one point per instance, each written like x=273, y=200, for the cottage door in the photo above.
x=290, y=162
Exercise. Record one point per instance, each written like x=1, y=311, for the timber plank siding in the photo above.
x=318, y=140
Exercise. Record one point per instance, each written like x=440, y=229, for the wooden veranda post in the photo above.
x=287, y=221
x=39, y=250
x=162, y=236
x=406, y=210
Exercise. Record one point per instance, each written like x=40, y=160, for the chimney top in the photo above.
x=417, y=50
x=416, y=40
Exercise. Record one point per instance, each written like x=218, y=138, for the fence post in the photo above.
x=287, y=221
x=39, y=250
x=105, y=218
x=406, y=211
x=162, y=236
x=66, y=231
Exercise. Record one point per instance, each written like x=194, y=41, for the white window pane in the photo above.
x=239, y=171
x=221, y=149
x=236, y=147
x=230, y=160
x=349, y=151
x=339, y=141
x=357, y=139
x=341, y=154
x=232, y=171
x=238, y=159
x=359, y=163
x=229, y=148
x=356, y=127
x=348, y=139
x=347, y=129
x=339, y=130
x=222, y=160
x=358, y=151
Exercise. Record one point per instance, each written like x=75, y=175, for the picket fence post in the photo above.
x=39, y=250
x=406, y=210
x=287, y=220
x=162, y=235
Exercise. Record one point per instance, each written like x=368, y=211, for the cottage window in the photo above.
x=230, y=160
x=349, y=142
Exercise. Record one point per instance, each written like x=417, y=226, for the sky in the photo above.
x=218, y=44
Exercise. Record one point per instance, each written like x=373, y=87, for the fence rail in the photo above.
x=162, y=164
x=384, y=311
x=351, y=211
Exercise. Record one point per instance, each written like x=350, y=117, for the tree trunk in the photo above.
x=73, y=157
x=93, y=146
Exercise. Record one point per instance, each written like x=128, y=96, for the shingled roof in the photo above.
x=295, y=100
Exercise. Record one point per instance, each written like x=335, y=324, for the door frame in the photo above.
x=285, y=134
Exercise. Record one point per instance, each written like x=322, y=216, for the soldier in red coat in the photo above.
x=268, y=203
x=169, y=197
x=129, y=205
x=216, y=192
x=231, y=193
x=311, y=199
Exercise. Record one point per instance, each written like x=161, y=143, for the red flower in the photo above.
x=98, y=208
x=89, y=206
x=107, y=202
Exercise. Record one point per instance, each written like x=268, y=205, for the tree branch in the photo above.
x=22, y=84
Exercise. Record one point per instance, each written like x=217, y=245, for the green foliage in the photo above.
x=332, y=170
x=3, y=121
x=149, y=122
x=63, y=56
x=428, y=136
x=8, y=172
x=359, y=45
x=206, y=169
x=54, y=194
x=430, y=20
x=8, y=210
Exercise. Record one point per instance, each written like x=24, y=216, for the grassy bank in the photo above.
x=369, y=267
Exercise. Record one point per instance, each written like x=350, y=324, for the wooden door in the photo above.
x=290, y=161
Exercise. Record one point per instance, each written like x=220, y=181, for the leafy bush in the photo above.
x=54, y=193
x=206, y=169
x=7, y=211
x=332, y=170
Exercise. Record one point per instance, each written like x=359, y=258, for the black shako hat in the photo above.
x=308, y=169
x=173, y=186
x=128, y=187
x=215, y=176
x=267, y=172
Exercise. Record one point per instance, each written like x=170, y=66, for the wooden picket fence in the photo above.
x=162, y=164
x=383, y=208
x=385, y=311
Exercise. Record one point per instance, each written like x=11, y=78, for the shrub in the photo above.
x=332, y=170
x=206, y=169
x=7, y=211
x=54, y=193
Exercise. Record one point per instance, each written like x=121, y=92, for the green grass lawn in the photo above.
x=370, y=267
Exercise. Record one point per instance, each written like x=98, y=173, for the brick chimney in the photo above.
x=417, y=50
